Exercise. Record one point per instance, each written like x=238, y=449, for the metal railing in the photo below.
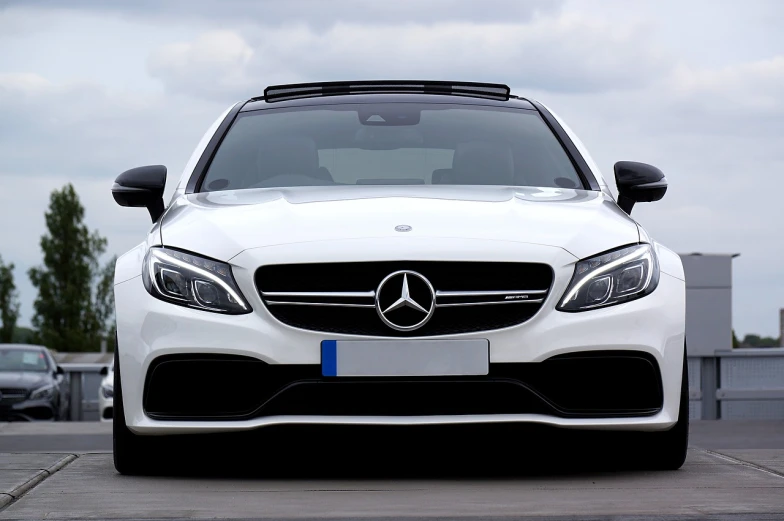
x=84, y=383
x=743, y=383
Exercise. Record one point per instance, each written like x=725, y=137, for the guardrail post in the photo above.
x=75, y=406
x=709, y=375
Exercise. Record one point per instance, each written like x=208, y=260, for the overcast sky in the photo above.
x=89, y=89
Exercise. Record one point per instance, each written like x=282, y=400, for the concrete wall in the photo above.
x=708, y=302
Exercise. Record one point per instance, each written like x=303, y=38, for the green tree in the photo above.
x=75, y=298
x=759, y=341
x=9, y=302
x=23, y=335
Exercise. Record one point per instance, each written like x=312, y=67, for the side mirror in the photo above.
x=59, y=370
x=104, y=370
x=638, y=183
x=142, y=187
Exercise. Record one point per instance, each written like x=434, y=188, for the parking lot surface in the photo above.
x=743, y=480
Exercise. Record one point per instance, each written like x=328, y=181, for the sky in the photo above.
x=89, y=89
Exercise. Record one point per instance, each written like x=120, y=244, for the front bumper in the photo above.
x=28, y=410
x=105, y=407
x=149, y=328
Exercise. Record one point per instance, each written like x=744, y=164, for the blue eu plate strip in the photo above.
x=329, y=357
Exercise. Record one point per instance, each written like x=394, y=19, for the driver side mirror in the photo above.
x=142, y=187
x=59, y=371
x=104, y=370
x=638, y=183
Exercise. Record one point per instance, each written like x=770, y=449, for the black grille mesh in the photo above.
x=366, y=276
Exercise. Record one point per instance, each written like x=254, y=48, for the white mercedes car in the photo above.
x=106, y=394
x=396, y=253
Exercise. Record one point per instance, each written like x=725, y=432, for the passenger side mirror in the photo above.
x=638, y=183
x=59, y=371
x=104, y=370
x=142, y=187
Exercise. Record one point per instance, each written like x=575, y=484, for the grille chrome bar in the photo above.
x=489, y=293
x=325, y=294
x=493, y=303
x=271, y=296
x=329, y=304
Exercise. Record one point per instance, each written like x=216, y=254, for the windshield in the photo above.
x=390, y=144
x=15, y=360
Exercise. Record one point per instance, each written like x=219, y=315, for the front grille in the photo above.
x=576, y=385
x=466, y=296
x=12, y=395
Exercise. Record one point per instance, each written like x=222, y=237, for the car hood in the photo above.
x=223, y=224
x=22, y=380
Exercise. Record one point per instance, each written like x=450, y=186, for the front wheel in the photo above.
x=133, y=454
x=665, y=450
x=669, y=448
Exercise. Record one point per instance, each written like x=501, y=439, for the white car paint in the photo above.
x=249, y=228
x=579, y=221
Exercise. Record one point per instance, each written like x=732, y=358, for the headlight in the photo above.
x=612, y=278
x=192, y=281
x=43, y=393
x=108, y=391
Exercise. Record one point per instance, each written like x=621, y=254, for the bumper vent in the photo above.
x=604, y=384
x=465, y=296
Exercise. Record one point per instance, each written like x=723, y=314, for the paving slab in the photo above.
x=38, y=461
x=770, y=459
x=19, y=473
x=54, y=428
x=63, y=437
x=706, y=486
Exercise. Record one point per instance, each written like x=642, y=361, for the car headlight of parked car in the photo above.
x=43, y=393
x=193, y=281
x=612, y=278
x=107, y=391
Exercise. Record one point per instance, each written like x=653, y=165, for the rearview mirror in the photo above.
x=142, y=187
x=638, y=183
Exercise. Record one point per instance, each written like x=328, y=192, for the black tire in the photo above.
x=666, y=450
x=132, y=453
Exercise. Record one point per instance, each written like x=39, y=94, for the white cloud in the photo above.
x=318, y=13
x=219, y=56
x=564, y=53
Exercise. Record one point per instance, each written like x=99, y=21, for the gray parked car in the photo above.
x=31, y=384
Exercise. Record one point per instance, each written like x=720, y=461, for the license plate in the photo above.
x=405, y=357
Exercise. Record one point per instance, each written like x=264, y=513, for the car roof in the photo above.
x=23, y=346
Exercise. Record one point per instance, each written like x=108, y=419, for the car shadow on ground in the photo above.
x=391, y=453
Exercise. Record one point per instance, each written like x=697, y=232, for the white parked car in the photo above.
x=106, y=394
x=397, y=253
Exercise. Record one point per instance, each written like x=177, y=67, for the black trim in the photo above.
x=342, y=88
x=570, y=385
x=583, y=170
x=200, y=170
x=513, y=102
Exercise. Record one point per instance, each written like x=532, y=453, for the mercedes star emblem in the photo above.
x=405, y=300
x=402, y=228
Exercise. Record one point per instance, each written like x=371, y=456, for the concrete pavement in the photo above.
x=79, y=437
x=740, y=481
